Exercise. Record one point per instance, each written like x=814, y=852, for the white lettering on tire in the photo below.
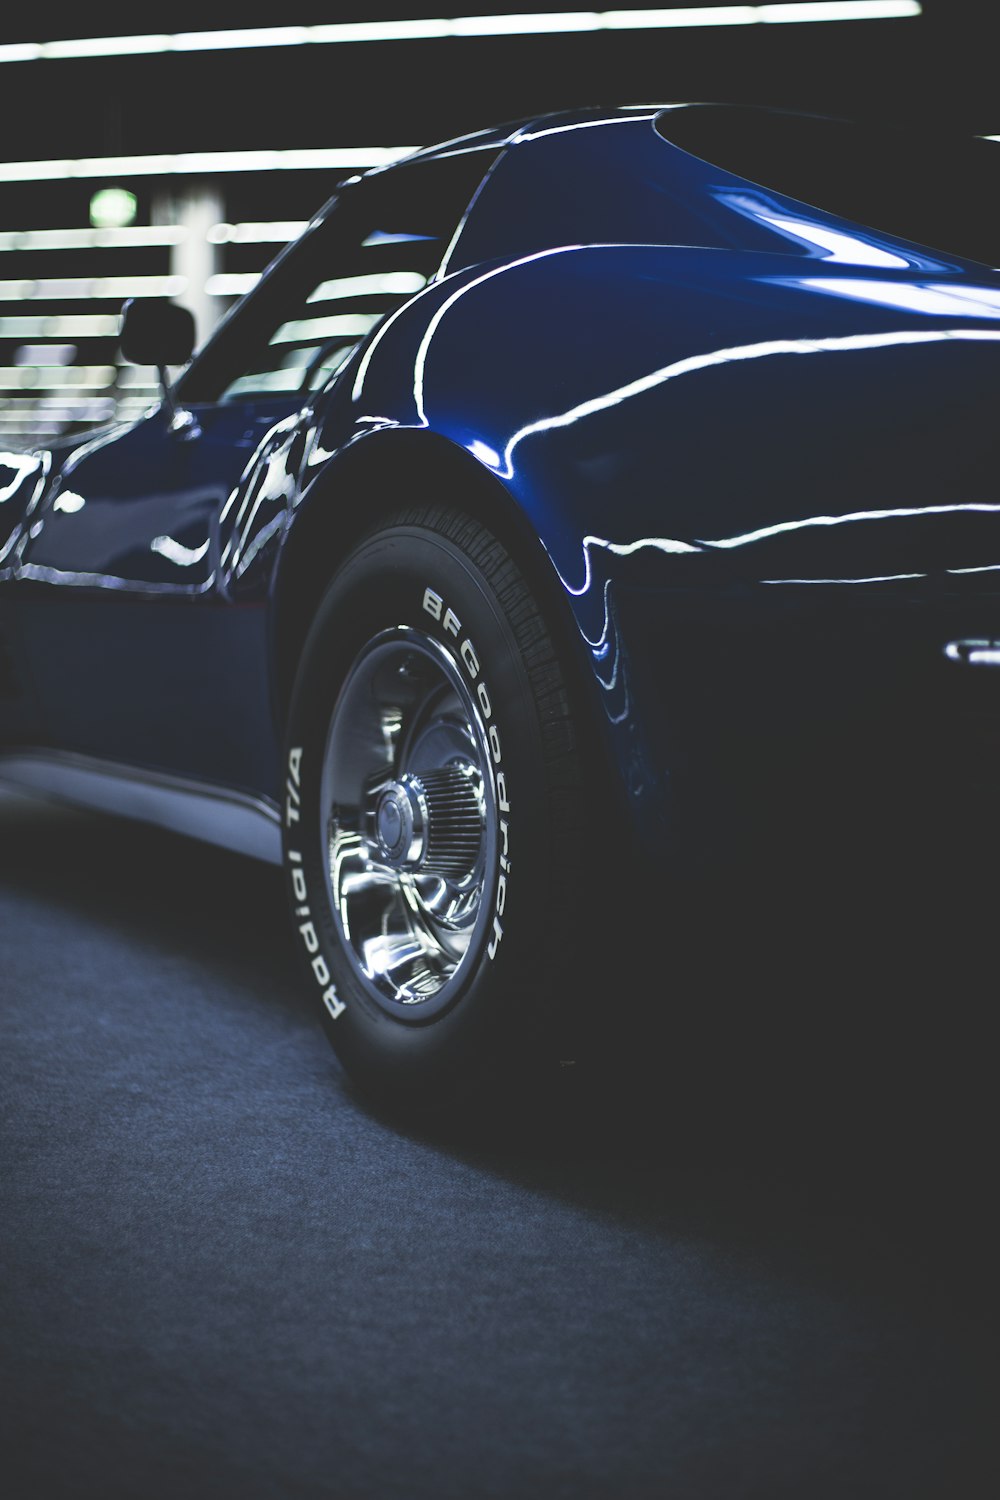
x=442, y=612
x=307, y=928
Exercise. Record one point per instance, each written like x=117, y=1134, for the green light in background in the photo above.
x=112, y=208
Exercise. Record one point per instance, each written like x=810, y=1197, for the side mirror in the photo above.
x=156, y=332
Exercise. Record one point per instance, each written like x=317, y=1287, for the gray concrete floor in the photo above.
x=224, y=1275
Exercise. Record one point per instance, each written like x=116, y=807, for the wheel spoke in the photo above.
x=410, y=808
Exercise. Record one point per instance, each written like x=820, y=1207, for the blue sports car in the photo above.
x=575, y=508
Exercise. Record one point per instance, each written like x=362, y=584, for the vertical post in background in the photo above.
x=197, y=209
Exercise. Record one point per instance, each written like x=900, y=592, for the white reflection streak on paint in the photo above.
x=876, y=578
x=931, y=299
x=22, y=464
x=484, y=452
x=845, y=344
x=420, y=362
x=620, y=549
x=839, y=246
x=259, y=542
x=900, y=513
x=534, y=135
x=366, y=359
x=69, y=501
x=176, y=552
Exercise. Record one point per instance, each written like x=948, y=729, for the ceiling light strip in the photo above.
x=61, y=326
x=278, y=232
x=352, y=158
x=92, y=239
x=84, y=288
x=95, y=377
x=531, y=23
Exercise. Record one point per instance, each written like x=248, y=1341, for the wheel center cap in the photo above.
x=432, y=822
x=390, y=823
x=399, y=823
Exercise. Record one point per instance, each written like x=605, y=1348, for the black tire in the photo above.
x=481, y=752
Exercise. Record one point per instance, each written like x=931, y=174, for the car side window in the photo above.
x=328, y=320
x=381, y=242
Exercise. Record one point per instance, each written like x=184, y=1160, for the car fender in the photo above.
x=688, y=420
x=623, y=393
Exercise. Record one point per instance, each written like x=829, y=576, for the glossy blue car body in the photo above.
x=744, y=448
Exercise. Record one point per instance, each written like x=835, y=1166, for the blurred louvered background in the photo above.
x=203, y=233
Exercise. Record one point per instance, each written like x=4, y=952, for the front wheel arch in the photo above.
x=366, y=482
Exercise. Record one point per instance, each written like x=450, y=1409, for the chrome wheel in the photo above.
x=408, y=815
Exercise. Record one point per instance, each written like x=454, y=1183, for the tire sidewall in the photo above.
x=416, y=577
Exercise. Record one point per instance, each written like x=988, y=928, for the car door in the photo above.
x=149, y=567
x=134, y=655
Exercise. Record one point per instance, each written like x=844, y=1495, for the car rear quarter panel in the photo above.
x=766, y=500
